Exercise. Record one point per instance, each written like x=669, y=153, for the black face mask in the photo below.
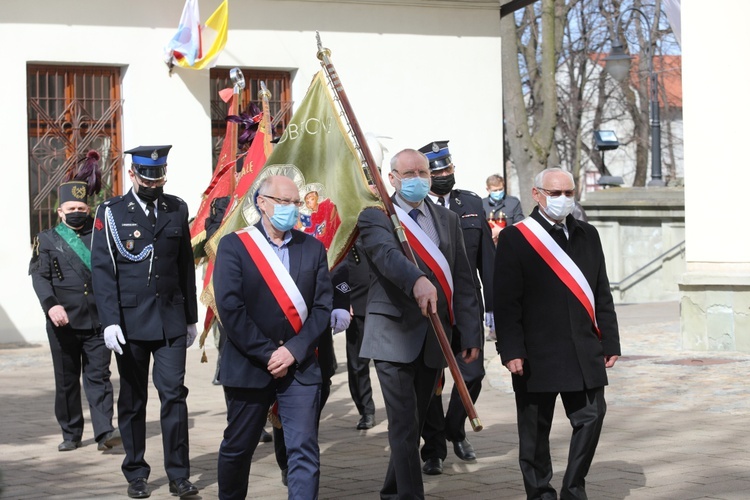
x=443, y=184
x=76, y=220
x=149, y=194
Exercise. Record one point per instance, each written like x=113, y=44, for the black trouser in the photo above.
x=585, y=410
x=438, y=427
x=358, y=369
x=169, y=376
x=75, y=352
x=407, y=388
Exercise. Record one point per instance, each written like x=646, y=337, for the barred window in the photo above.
x=71, y=110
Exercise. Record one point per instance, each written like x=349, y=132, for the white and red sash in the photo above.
x=275, y=275
x=561, y=264
x=430, y=254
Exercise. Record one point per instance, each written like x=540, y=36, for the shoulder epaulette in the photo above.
x=112, y=201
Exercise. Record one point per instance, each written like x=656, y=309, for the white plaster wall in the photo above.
x=416, y=74
x=715, y=114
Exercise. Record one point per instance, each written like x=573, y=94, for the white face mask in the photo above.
x=559, y=207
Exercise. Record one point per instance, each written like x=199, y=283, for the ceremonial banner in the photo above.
x=316, y=152
x=220, y=186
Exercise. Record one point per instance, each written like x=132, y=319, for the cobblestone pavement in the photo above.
x=676, y=428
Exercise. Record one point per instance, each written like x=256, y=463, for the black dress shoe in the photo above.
x=464, y=450
x=69, y=445
x=433, y=466
x=138, y=488
x=265, y=436
x=285, y=477
x=109, y=440
x=367, y=421
x=182, y=488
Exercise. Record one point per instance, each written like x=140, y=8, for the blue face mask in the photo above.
x=284, y=217
x=497, y=195
x=414, y=190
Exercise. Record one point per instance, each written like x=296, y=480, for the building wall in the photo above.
x=715, y=288
x=415, y=72
x=643, y=234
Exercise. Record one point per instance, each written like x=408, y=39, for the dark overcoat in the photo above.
x=539, y=320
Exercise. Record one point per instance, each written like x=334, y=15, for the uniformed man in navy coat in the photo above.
x=480, y=250
x=145, y=280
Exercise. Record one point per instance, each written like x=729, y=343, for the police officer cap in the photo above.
x=150, y=162
x=437, y=154
x=72, y=191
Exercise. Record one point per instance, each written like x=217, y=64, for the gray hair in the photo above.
x=539, y=179
x=395, y=158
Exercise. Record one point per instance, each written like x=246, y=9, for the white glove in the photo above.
x=113, y=338
x=340, y=319
x=489, y=320
x=192, y=333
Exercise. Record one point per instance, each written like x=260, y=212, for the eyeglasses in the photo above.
x=283, y=201
x=568, y=193
x=412, y=174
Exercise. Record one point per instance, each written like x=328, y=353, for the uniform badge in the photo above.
x=435, y=147
x=99, y=225
x=343, y=287
x=137, y=234
x=129, y=245
x=79, y=193
x=155, y=155
x=458, y=201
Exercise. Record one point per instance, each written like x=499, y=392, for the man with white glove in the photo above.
x=192, y=333
x=143, y=271
x=113, y=338
x=340, y=319
x=489, y=322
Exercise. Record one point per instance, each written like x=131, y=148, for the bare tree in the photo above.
x=556, y=92
x=529, y=89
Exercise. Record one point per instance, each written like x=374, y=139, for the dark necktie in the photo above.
x=558, y=234
x=150, y=213
x=441, y=201
x=414, y=213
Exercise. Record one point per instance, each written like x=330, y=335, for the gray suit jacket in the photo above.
x=395, y=329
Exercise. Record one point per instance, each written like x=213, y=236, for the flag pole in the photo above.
x=238, y=83
x=324, y=55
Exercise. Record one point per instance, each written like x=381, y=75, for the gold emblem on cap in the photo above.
x=435, y=147
x=79, y=192
x=155, y=155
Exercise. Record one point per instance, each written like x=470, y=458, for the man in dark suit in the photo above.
x=144, y=279
x=398, y=335
x=60, y=270
x=358, y=368
x=555, y=338
x=273, y=293
x=480, y=251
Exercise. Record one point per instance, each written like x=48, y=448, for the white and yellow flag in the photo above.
x=194, y=45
